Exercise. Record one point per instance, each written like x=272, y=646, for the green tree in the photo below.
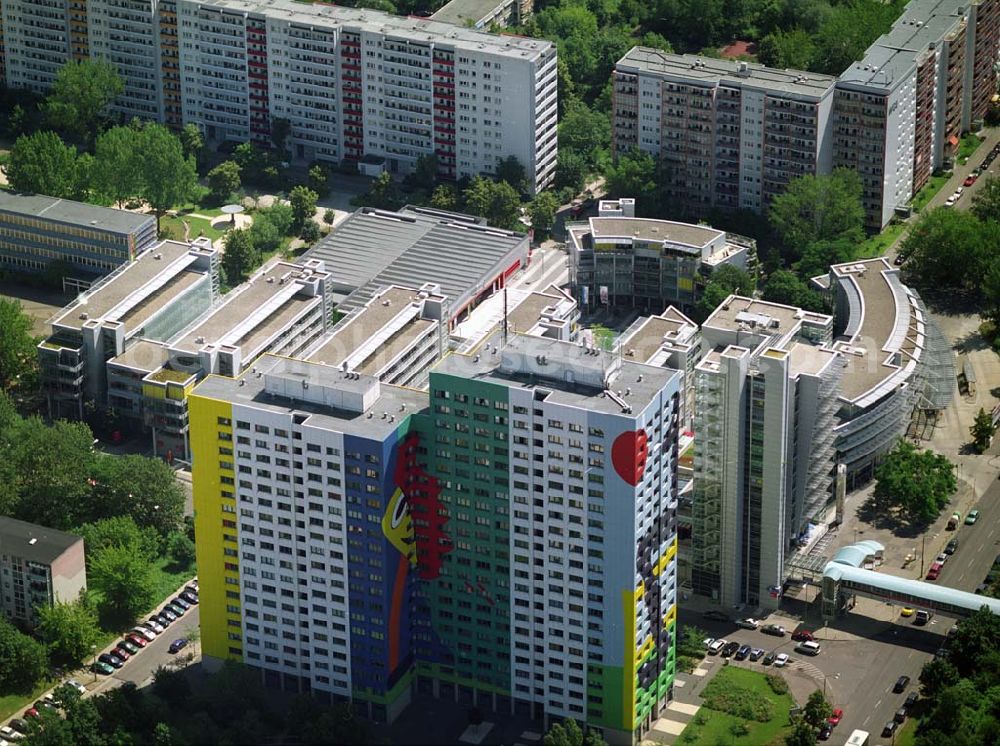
x=986, y=200
x=383, y=193
x=240, y=256
x=281, y=216
x=123, y=577
x=319, y=179
x=445, y=197
x=181, y=549
x=81, y=95
x=937, y=675
x=982, y=431
x=568, y=733
x=329, y=216
x=18, y=357
x=818, y=208
x=511, y=170
x=918, y=483
x=303, y=201
x=169, y=178
x=264, y=236
x=802, y=734
x=723, y=282
x=990, y=290
x=424, y=174
x=584, y=132
x=310, y=233
x=819, y=256
x=785, y=287
x=223, y=180
x=120, y=530
x=571, y=171
x=23, y=662
x=542, y=211
x=497, y=201
x=635, y=175
x=817, y=709
x=50, y=464
x=139, y=486
x=192, y=142
x=280, y=130
x=118, y=157
x=793, y=49
x=949, y=249
x=68, y=630
x=42, y=163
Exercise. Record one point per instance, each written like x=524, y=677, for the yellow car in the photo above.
x=906, y=611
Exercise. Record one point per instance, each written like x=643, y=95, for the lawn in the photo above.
x=877, y=245
x=16, y=703
x=928, y=191
x=198, y=225
x=967, y=146
x=172, y=228
x=711, y=727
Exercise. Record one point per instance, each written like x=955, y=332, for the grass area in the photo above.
x=878, y=244
x=14, y=704
x=907, y=734
x=967, y=146
x=199, y=226
x=172, y=228
x=164, y=375
x=167, y=578
x=711, y=727
x=929, y=190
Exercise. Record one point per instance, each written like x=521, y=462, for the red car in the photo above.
x=136, y=640
x=969, y=180
x=836, y=717
x=803, y=635
x=123, y=654
x=934, y=571
x=31, y=712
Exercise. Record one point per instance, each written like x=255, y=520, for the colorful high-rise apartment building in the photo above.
x=366, y=541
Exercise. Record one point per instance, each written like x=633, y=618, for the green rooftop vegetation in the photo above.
x=166, y=375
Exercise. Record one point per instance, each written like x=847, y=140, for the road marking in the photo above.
x=876, y=706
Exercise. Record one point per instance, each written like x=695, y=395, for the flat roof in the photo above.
x=710, y=71
x=460, y=11
x=160, y=263
x=654, y=230
x=398, y=400
x=144, y=355
x=649, y=337
x=73, y=213
x=352, y=333
x=407, y=27
x=643, y=381
x=884, y=320
x=373, y=249
x=737, y=311
x=891, y=57
x=33, y=542
x=250, y=313
x=809, y=359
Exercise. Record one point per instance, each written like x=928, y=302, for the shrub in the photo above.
x=739, y=729
x=777, y=683
x=736, y=700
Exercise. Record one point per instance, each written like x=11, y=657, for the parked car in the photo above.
x=77, y=685
x=136, y=639
x=9, y=734
x=773, y=629
x=742, y=652
x=128, y=646
x=19, y=725
x=177, y=610
x=190, y=597
x=808, y=648
x=161, y=619
x=911, y=699
x=901, y=683
x=167, y=612
x=802, y=635
x=747, y=623
x=953, y=522
x=177, y=645
x=972, y=517
x=950, y=202
x=146, y=632
x=123, y=654
x=31, y=712
x=969, y=180
x=824, y=733
x=781, y=660
x=756, y=654
x=716, y=615
x=933, y=572
x=951, y=547
x=707, y=642
x=834, y=720
x=181, y=602
x=769, y=658
x=900, y=715
x=906, y=611
x=981, y=588
x=154, y=624
x=111, y=659
x=923, y=616
x=890, y=729
x=101, y=667
x=941, y=558
x=716, y=647
x=729, y=649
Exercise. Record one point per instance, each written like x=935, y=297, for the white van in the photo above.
x=808, y=648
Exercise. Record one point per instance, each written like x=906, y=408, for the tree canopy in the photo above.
x=68, y=630
x=950, y=249
x=497, y=201
x=169, y=178
x=23, y=661
x=240, y=256
x=723, y=282
x=917, y=483
x=18, y=357
x=818, y=208
x=81, y=95
x=118, y=168
x=785, y=287
x=43, y=164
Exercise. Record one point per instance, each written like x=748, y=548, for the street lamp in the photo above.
x=93, y=649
